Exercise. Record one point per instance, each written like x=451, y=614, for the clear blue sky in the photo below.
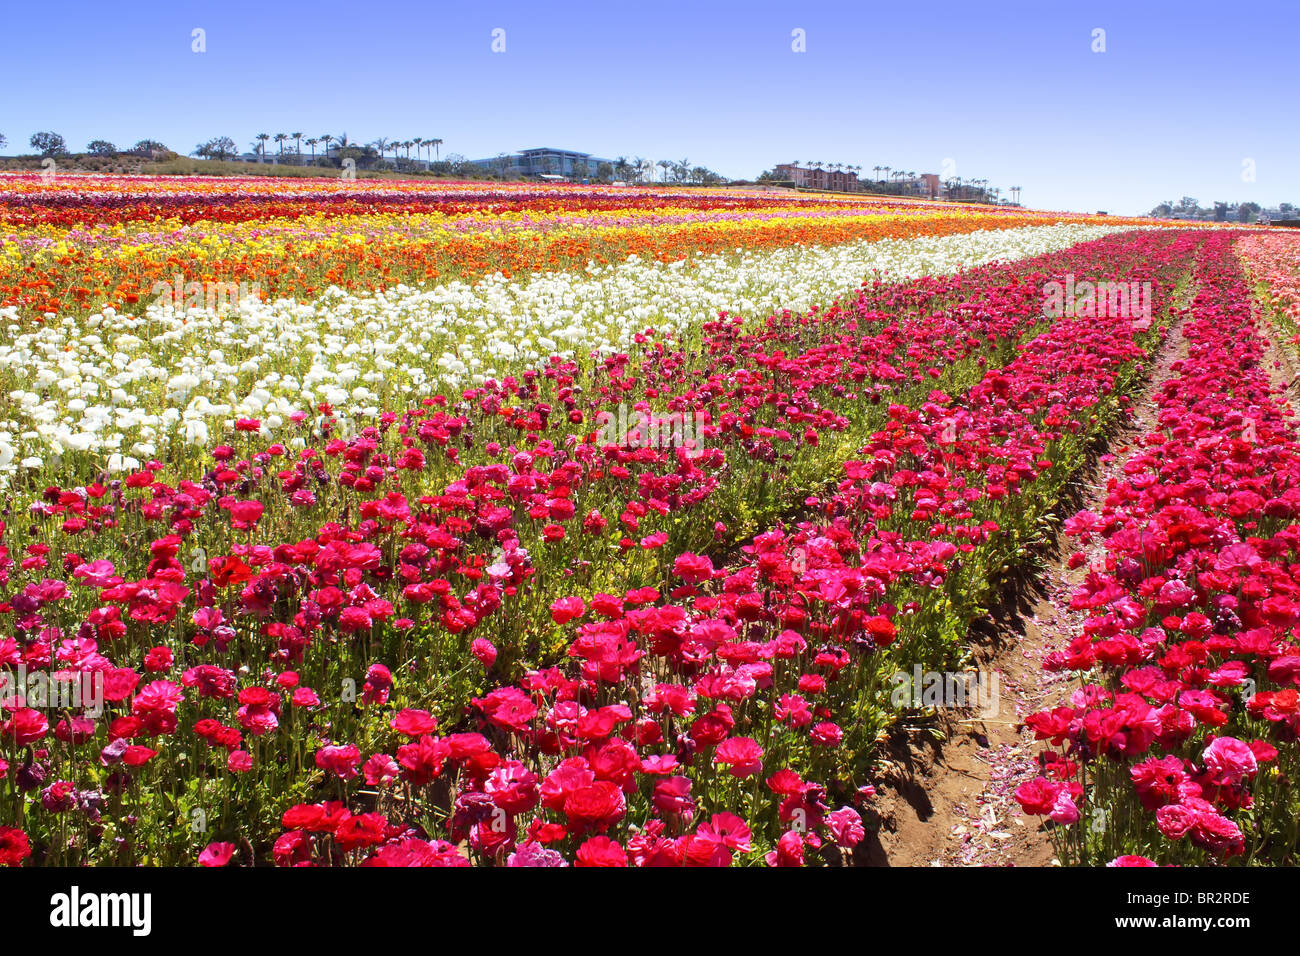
x=1009, y=91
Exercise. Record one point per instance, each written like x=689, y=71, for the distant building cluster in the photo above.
x=837, y=177
x=814, y=177
x=544, y=162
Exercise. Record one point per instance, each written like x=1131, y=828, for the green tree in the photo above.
x=221, y=147
x=101, y=147
x=148, y=147
x=49, y=144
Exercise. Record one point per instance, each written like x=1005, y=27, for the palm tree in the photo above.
x=280, y=138
x=341, y=141
x=297, y=138
x=664, y=164
x=382, y=145
x=435, y=143
x=261, y=140
x=311, y=143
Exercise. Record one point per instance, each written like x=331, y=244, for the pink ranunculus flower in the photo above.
x=1230, y=760
x=846, y=827
x=1175, y=820
x=566, y=609
x=216, y=854
x=743, y=754
x=693, y=568
x=245, y=514
x=1063, y=809
x=484, y=651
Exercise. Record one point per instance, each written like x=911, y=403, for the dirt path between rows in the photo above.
x=951, y=803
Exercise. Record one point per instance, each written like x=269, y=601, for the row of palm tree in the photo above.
x=893, y=175
x=327, y=140
x=833, y=167
x=980, y=190
x=383, y=144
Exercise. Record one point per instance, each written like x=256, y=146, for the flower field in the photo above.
x=90, y=244
x=549, y=526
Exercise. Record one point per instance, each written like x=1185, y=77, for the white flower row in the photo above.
x=122, y=388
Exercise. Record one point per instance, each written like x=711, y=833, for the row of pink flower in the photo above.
x=1184, y=728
